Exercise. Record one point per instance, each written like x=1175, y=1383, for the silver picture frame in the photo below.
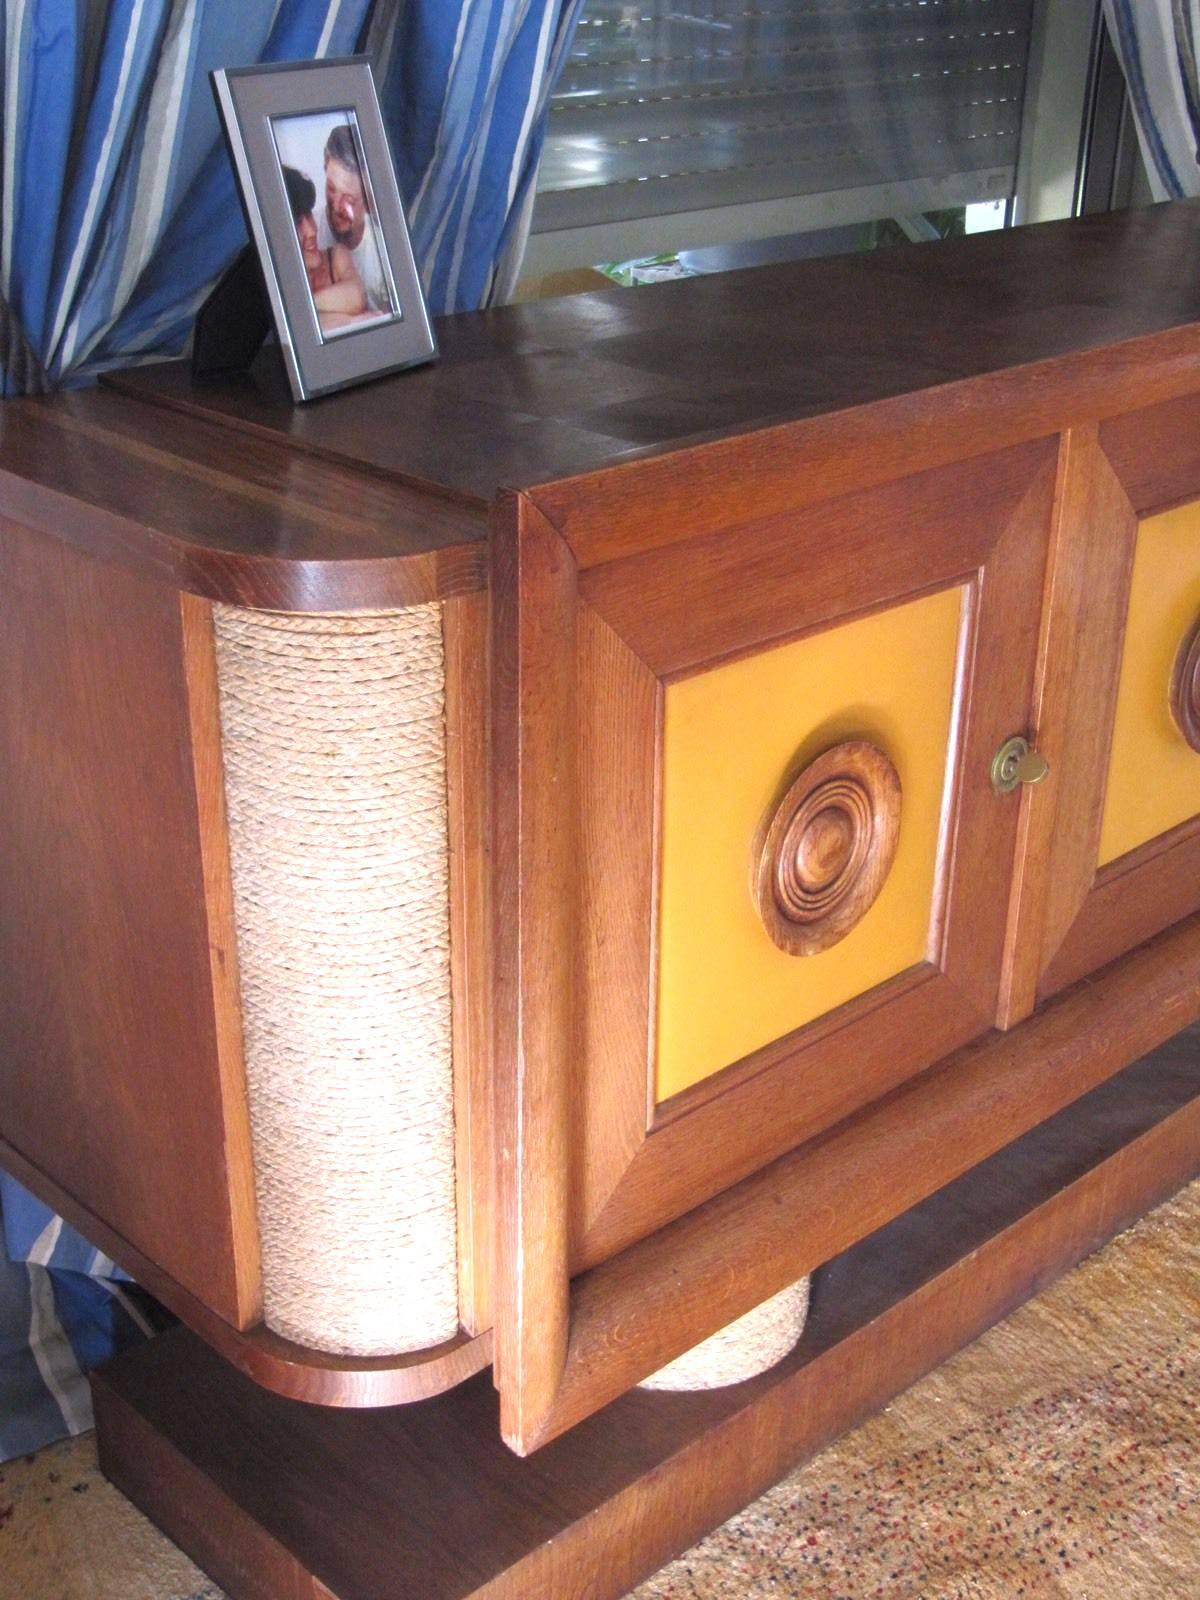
x=353, y=308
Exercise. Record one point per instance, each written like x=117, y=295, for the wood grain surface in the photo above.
x=1155, y=452
x=641, y=1308
x=535, y=851
x=603, y=403
x=643, y=457
x=1069, y=916
x=1082, y=622
x=244, y=521
x=633, y=1166
x=120, y=1054
x=1129, y=901
x=535, y=393
x=313, y=1376
x=208, y=770
x=575, y=1187
x=273, y=1499
x=828, y=847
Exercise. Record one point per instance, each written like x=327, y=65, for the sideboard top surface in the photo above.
x=599, y=405
x=531, y=393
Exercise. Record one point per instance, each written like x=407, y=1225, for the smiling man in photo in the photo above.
x=347, y=220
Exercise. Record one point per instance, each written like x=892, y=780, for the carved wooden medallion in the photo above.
x=1185, y=689
x=826, y=851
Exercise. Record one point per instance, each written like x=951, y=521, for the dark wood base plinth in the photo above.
x=283, y=1501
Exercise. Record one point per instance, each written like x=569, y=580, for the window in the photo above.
x=686, y=122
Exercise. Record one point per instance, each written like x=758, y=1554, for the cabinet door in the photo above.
x=1119, y=712
x=751, y=869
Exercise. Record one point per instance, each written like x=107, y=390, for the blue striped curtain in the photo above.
x=465, y=91
x=1156, y=41
x=118, y=213
x=119, y=209
x=118, y=200
x=64, y=1307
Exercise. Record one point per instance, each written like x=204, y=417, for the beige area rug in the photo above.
x=1058, y=1458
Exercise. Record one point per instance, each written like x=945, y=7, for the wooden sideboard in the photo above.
x=771, y=950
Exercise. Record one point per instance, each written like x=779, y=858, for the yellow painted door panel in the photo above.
x=734, y=737
x=1154, y=775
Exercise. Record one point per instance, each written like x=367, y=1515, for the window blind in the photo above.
x=668, y=106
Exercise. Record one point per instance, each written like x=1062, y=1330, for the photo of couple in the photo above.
x=328, y=191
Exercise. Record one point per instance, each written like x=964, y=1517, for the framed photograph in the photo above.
x=319, y=191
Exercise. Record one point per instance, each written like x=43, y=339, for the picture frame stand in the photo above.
x=233, y=323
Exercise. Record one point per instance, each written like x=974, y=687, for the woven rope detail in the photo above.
x=335, y=775
x=741, y=1350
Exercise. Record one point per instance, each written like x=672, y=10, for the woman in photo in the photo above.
x=337, y=289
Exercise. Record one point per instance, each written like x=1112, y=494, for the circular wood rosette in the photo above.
x=1185, y=689
x=827, y=849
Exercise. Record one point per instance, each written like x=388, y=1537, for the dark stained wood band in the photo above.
x=546, y=392
x=797, y=464
x=698, y=398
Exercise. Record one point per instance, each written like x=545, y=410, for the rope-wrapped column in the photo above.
x=742, y=1349
x=334, y=747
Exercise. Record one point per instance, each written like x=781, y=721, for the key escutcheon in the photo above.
x=1016, y=763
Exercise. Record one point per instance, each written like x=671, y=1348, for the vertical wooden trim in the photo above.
x=1094, y=615
x=993, y=701
x=535, y=850
x=620, y=728
x=1030, y=879
x=465, y=623
x=200, y=678
x=1079, y=654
